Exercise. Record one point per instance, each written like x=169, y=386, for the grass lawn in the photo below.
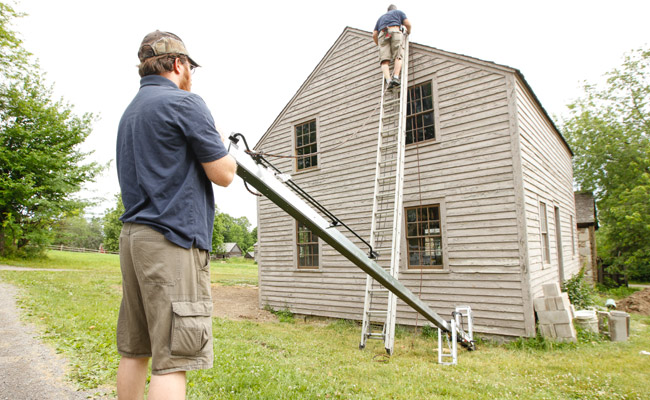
x=77, y=311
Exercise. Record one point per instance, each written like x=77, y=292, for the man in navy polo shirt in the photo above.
x=388, y=35
x=168, y=155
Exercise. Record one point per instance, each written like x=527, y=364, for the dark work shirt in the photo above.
x=163, y=137
x=391, y=18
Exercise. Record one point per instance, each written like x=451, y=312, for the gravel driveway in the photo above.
x=29, y=369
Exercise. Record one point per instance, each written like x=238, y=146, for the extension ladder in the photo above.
x=387, y=214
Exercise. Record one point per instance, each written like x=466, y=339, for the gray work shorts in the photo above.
x=166, y=302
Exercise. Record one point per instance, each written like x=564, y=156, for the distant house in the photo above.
x=488, y=198
x=587, y=224
x=250, y=255
x=231, y=250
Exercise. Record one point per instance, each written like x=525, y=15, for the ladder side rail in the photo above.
x=268, y=185
x=398, y=212
x=375, y=204
x=365, y=323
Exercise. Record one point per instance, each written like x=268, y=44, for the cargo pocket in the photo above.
x=191, y=327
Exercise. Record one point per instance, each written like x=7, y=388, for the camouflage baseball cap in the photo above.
x=158, y=43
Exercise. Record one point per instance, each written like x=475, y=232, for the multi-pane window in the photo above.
x=306, y=146
x=424, y=237
x=419, y=111
x=546, y=252
x=307, y=250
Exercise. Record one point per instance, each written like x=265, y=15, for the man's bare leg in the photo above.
x=131, y=378
x=167, y=387
x=385, y=69
x=398, y=67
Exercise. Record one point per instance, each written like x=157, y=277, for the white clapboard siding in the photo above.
x=547, y=176
x=471, y=170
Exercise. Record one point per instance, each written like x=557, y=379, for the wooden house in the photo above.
x=587, y=224
x=486, y=169
x=231, y=249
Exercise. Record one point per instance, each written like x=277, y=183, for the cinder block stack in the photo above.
x=555, y=314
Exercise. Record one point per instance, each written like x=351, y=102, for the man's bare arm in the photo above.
x=375, y=37
x=222, y=171
x=407, y=24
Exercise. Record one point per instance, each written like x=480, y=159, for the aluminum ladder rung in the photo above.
x=376, y=312
x=390, y=145
x=375, y=336
x=386, y=179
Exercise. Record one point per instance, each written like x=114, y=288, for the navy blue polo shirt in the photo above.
x=391, y=18
x=163, y=137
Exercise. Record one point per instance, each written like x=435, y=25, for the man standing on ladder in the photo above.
x=388, y=35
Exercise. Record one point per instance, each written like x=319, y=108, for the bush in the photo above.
x=581, y=293
x=429, y=331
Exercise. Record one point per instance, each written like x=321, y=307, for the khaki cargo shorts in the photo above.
x=166, y=305
x=392, y=47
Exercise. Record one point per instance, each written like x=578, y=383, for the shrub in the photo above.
x=581, y=293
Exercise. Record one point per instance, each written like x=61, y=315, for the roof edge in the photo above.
x=489, y=64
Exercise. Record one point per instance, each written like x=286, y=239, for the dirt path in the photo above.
x=29, y=369
x=238, y=303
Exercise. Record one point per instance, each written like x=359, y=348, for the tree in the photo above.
x=228, y=229
x=40, y=161
x=609, y=131
x=218, y=231
x=76, y=231
x=113, y=225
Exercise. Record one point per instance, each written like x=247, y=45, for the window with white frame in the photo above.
x=543, y=226
x=307, y=247
x=306, y=146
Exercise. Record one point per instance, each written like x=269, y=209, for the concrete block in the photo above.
x=551, y=304
x=619, y=326
x=540, y=304
x=554, y=317
x=566, y=304
x=551, y=289
x=547, y=331
x=603, y=321
x=566, y=331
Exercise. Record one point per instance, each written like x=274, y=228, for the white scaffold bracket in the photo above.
x=461, y=317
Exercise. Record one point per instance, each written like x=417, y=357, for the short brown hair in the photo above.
x=157, y=65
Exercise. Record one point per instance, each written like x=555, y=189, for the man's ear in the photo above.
x=177, y=65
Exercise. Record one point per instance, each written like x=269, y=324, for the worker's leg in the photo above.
x=398, y=67
x=385, y=69
x=167, y=387
x=131, y=378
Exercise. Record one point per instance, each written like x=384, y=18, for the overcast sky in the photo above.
x=255, y=54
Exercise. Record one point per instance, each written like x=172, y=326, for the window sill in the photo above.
x=423, y=271
x=306, y=170
x=308, y=269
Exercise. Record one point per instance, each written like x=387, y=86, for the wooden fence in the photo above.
x=59, y=247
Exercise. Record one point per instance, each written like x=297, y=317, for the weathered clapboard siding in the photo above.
x=472, y=170
x=547, y=176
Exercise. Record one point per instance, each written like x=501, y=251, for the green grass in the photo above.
x=296, y=360
x=234, y=271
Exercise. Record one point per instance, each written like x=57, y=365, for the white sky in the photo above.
x=255, y=54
